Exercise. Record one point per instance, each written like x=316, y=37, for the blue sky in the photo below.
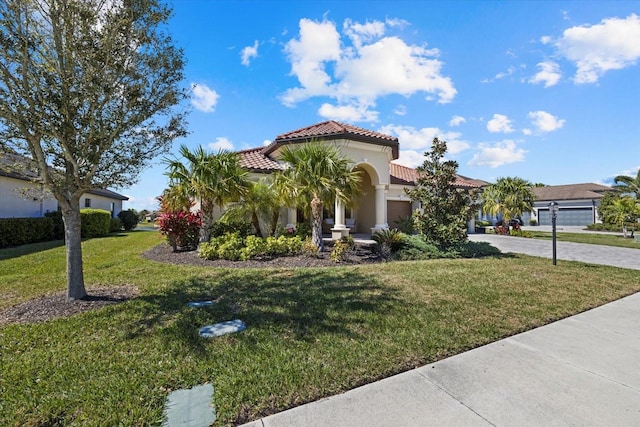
x=545, y=90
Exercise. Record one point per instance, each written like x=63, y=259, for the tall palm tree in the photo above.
x=625, y=184
x=318, y=174
x=212, y=179
x=510, y=196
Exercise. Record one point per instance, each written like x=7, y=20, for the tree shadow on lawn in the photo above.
x=295, y=304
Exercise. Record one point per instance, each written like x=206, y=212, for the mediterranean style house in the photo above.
x=21, y=197
x=384, y=200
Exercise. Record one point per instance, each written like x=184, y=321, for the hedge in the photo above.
x=94, y=222
x=20, y=231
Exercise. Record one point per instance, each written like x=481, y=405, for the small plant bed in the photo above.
x=164, y=253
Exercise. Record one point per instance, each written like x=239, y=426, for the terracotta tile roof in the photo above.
x=254, y=160
x=335, y=130
x=404, y=175
x=570, y=192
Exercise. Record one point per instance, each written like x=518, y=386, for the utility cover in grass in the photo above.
x=190, y=408
x=222, y=328
x=200, y=303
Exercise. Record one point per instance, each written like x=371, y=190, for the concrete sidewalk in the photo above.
x=583, y=370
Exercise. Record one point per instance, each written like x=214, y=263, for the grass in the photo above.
x=311, y=332
x=594, y=239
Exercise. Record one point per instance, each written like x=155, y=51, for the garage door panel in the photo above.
x=568, y=216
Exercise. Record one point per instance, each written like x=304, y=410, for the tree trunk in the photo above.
x=316, y=223
x=256, y=224
x=274, y=223
x=73, y=244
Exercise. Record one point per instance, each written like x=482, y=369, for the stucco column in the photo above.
x=292, y=218
x=381, y=208
x=339, y=228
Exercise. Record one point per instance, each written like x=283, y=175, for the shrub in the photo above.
x=230, y=226
x=388, y=242
x=20, y=231
x=181, y=228
x=234, y=247
x=405, y=225
x=94, y=222
x=483, y=223
x=116, y=225
x=342, y=248
x=58, y=224
x=309, y=248
x=416, y=247
x=129, y=219
x=533, y=222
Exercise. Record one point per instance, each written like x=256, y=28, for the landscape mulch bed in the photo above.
x=164, y=253
x=56, y=305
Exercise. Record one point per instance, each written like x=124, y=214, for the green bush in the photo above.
x=520, y=233
x=229, y=226
x=416, y=247
x=483, y=223
x=20, y=231
x=129, y=219
x=533, y=222
x=388, y=241
x=342, y=248
x=115, y=226
x=234, y=247
x=94, y=222
x=58, y=224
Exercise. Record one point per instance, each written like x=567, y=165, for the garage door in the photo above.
x=567, y=216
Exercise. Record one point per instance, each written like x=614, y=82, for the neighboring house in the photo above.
x=383, y=182
x=21, y=197
x=578, y=204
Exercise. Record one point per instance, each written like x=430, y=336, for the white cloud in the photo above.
x=421, y=139
x=545, y=122
x=372, y=65
x=457, y=121
x=546, y=39
x=348, y=113
x=400, y=110
x=203, y=98
x=549, y=74
x=221, y=143
x=499, y=123
x=248, y=53
x=266, y=142
x=501, y=153
x=610, y=45
x=410, y=158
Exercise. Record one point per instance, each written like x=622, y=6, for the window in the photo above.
x=87, y=203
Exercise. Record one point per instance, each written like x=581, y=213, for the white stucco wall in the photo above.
x=100, y=202
x=13, y=205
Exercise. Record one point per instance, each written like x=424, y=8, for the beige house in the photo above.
x=372, y=153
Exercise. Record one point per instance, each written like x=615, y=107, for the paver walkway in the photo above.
x=593, y=254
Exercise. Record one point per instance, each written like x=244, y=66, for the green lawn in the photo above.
x=595, y=239
x=311, y=332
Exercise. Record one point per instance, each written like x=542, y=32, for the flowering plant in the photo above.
x=181, y=228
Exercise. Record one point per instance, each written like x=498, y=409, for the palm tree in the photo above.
x=622, y=211
x=317, y=174
x=212, y=179
x=509, y=197
x=625, y=184
x=260, y=205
